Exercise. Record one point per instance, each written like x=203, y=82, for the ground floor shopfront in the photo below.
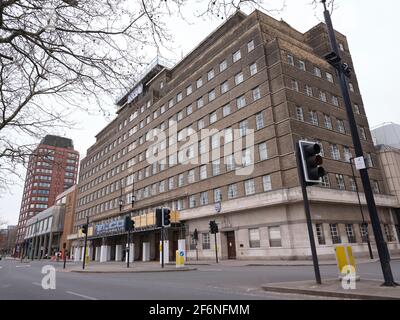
x=144, y=245
x=41, y=246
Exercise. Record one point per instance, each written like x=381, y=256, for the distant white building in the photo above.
x=387, y=134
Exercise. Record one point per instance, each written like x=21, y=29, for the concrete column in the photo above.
x=90, y=252
x=50, y=244
x=45, y=245
x=82, y=253
x=32, y=249
x=118, y=252
x=103, y=253
x=146, y=251
x=35, y=248
x=40, y=247
x=76, y=254
x=131, y=253
x=97, y=253
x=108, y=253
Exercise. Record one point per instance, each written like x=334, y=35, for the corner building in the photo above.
x=253, y=72
x=52, y=169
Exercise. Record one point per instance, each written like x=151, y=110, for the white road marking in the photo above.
x=23, y=266
x=36, y=284
x=80, y=295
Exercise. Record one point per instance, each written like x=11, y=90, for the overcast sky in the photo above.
x=371, y=28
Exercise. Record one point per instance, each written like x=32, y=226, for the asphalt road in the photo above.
x=23, y=281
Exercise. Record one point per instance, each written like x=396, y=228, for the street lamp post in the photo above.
x=365, y=224
x=344, y=71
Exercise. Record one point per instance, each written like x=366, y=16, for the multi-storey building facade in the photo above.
x=52, y=168
x=253, y=77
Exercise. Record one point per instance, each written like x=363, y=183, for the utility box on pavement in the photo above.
x=180, y=258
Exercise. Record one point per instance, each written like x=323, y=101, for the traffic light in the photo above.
x=195, y=235
x=129, y=224
x=333, y=59
x=84, y=229
x=213, y=227
x=311, y=162
x=159, y=217
x=166, y=221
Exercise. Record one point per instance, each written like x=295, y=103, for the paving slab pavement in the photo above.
x=365, y=289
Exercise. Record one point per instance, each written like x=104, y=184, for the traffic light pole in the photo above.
x=381, y=245
x=162, y=245
x=128, y=249
x=84, y=249
x=216, y=249
x=308, y=216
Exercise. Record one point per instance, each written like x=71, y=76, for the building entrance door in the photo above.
x=230, y=237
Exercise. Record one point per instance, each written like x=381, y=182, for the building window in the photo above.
x=210, y=74
x=302, y=65
x=226, y=110
x=389, y=233
x=216, y=167
x=239, y=78
x=192, y=201
x=267, y=185
x=295, y=85
x=363, y=134
x=211, y=95
x=290, y=60
x=350, y=233
x=250, y=46
x=199, y=83
x=179, y=97
x=200, y=103
x=236, y=56
x=230, y=164
x=217, y=195
x=223, y=65
x=203, y=172
x=347, y=154
x=352, y=184
x=249, y=187
x=368, y=161
x=375, y=186
x=335, y=233
x=256, y=94
x=191, y=177
x=299, y=113
x=309, y=91
x=322, y=96
x=275, y=236
x=224, y=87
x=313, y=118
x=189, y=90
x=327, y=122
x=340, y=182
x=340, y=126
x=341, y=47
x=213, y=117
x=206, y=241
x=335, y=101
x=351, y=87
x=317, y=72
x=335, y=154
x=243, y=125
x=320, y=234
x=325, y=183
x=203, y=198
x=263, y=151
x=254, y=238
x=241, y=102
x=329, y=77
x=357, y=109
x=364, y=232
x=253, y=69
x=228, y=135
x=189, y=110
x=232, y=191
x=260, y=120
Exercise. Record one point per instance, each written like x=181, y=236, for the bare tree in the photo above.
x=59, y=56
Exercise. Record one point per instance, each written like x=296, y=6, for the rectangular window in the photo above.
x=224, y=87
x=254, y=238
x=199, y=83
x=253, y=69
x=236, y=56
x=335, y=233
x=189, y=90
x=389, y=233
x=295, y=85
x=241, y=102
x=375, y=187
x=217, y=195
x=216, y=167
x=189, y=110
x=232, y=191
x=260, y=120
x=203, y=198
x=211, y=95
x=203, y=172
x=223, y=65
x=192, y=201
x=226, y=110
x=191, y=177
x=213, y=117
x=206, y=241
x=263, y=151
x=352, y=184
x=322, y=96
x=320, y=234
x=210, y=74
x=340, y=126
x=350, y=233
x=290, y=60
x=302, y=65
x=335, y=152
x=299, y=113
x=250, y=46
x=275, y=236
x=317, y=72
x=256, y=94
x=329, y=77
x=340, y=182
x=335, y=101
x=239, y=78
x=249, y=187
x=267, y=185
x=364, y=232
x=309, y=91
x=200, y=103
x=357, y=109
x=363, y=134
x=228, y=135
x=229, y=162
x=327, y=122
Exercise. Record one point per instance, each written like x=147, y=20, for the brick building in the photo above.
x=52, y=169
x=252, y=73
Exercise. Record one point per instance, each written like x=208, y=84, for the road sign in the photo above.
x=360, y=163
